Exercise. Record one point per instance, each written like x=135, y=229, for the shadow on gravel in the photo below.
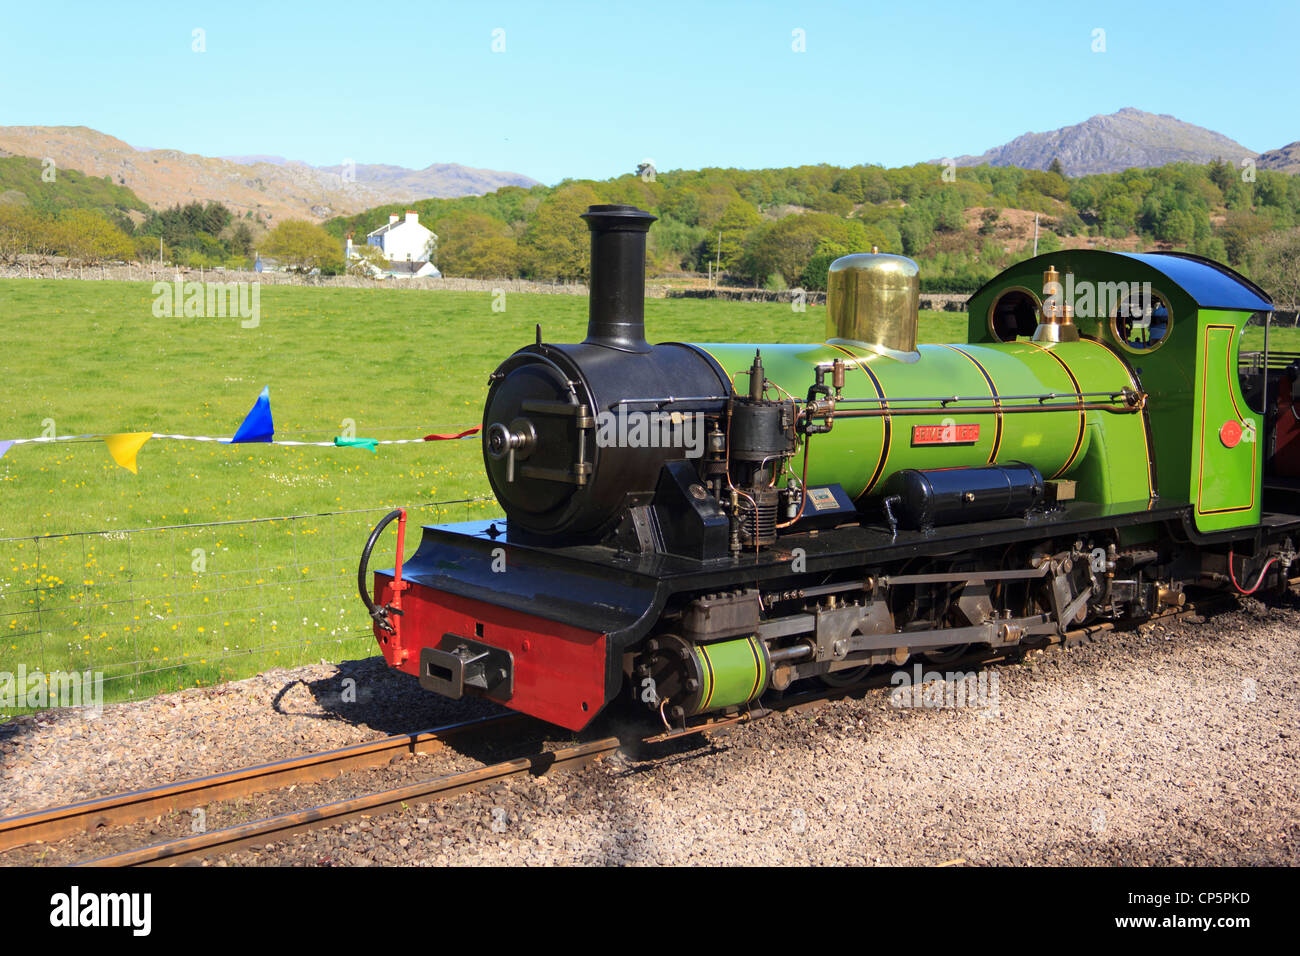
x=13, y=728
x=368, y=693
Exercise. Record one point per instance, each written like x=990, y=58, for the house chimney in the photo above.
x=392, y=218
x=411, y=216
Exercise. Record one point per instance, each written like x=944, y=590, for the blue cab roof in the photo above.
x=1212, y=285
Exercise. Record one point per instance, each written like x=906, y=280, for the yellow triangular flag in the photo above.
x=123, y=447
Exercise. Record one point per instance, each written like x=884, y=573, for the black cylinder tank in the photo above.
x=919, y=500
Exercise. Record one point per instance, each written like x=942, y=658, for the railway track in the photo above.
x=122, y=809
x=286, y=824
x=57, y=823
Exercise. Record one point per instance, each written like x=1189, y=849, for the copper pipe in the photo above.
x=986, y=410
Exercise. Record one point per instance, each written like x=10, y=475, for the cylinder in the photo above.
x=872, y=300
x=761, y=430
x=731, y=673
x=928, y=499
x=616, y=303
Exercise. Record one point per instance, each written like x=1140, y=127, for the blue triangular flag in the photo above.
x=4, y=447
x=257, y=424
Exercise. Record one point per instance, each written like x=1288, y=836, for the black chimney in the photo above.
x=616, y=304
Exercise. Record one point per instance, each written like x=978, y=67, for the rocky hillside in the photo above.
x=270, y=187
x=1114, y=142
x=1284, y=160
x=437, y=181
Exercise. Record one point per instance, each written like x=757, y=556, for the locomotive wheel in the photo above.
x=947, y=655
x=845, y=678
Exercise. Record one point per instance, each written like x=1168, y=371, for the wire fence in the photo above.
x=148, y=610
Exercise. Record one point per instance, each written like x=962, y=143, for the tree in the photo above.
x=916, y=229
x=738, y=221
x=674, y=245
x=87, y=237
x=478, y=246
x=1051, y=183
x=1276, y=260
x=303, y=246
x=875, y=185
x=948, y=210
x=18, y=227
x=715, y=201
x=1238, y=232
x=1222, y=174
x=215, y=218
x=850, y=185
x=556, y=240
x=785, y=247
x=816, y=272
x=241, y=240
x=683, y=205
x=1176, y=226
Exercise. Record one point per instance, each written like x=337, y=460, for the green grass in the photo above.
x=150, y=611
x=1281, y=339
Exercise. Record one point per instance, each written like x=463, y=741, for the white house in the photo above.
x=408, y=246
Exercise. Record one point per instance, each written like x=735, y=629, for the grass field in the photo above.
x=169, y=606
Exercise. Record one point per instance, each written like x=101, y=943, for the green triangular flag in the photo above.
x=370, y=444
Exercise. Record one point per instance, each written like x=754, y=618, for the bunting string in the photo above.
x=256, y=428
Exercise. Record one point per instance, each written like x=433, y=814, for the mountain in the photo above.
x=254, y=160
x=437, y=181
x=1286, y=159
x=268, y=186
x=1114, y=142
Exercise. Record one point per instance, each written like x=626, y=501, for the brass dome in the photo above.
x=872, y=301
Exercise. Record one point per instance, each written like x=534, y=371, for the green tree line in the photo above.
x=197, y=234
x=782, y=227
x=769, y=227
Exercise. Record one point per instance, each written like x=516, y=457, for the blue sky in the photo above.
x=589, y=89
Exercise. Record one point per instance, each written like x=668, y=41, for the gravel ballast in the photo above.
x=1171, y=745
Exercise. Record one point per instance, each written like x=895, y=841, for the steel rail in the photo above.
x=57, y=823
x=285, y=824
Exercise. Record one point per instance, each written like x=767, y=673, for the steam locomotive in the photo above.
x=692, y=525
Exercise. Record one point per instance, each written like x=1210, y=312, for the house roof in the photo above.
x=393, y=225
